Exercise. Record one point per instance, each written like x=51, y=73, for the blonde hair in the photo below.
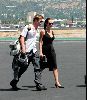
x=38, y=17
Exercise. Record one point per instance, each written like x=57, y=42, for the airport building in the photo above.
x=30, y=16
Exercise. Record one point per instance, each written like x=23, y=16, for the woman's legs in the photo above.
x=56, y=76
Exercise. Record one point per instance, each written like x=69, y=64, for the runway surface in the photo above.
x=71, y=59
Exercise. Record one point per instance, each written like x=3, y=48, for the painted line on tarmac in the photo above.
x=56, y=39
x=71, y=39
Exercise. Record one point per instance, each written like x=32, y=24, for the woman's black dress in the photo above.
x=48, y=50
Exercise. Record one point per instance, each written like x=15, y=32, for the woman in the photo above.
x=47, y=49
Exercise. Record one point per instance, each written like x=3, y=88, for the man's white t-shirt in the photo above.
x=31, y=34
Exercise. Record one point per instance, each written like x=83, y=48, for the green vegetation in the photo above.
x=13, y=11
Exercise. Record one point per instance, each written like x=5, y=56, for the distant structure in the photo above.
x=30, y=16
x=0, y=21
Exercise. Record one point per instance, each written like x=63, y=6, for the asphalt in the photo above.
x=71, y=60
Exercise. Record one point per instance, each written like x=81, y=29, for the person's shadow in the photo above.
x=33, y=88
x=10, y=89
x=29, y=86
x=81, y=86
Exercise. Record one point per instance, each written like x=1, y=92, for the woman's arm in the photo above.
x=41, y=43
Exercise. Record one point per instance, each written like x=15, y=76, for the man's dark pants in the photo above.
x=20, y=69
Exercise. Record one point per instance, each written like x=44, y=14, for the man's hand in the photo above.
x=23, y=55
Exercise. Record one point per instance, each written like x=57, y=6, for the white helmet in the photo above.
x=22, y=61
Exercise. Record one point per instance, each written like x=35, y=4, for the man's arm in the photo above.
x=41, y=42
x=22, y=39
x=22, y=43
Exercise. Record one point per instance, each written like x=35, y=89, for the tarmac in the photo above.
x=71, y=60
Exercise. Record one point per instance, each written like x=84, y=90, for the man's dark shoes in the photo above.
x=40, y=87
x=13, y=84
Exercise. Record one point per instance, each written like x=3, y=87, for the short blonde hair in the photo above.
x=38, y=17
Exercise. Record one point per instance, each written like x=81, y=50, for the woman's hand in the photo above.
x=41, y=55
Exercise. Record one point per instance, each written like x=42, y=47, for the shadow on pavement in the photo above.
x=10, y=89
x=29, y=86
x=81, y=86
x=32, y=87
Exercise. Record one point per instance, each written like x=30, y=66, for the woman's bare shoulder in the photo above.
x=42, y=32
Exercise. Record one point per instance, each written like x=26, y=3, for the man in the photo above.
x=28, y=47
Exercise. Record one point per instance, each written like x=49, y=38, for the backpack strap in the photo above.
x=29, y=28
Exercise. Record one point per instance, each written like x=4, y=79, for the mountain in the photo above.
x=18, y=9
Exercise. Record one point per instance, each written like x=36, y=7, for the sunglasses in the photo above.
x=50, y=23
x=40, y=21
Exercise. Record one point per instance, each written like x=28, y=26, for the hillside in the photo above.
x=10, y=9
